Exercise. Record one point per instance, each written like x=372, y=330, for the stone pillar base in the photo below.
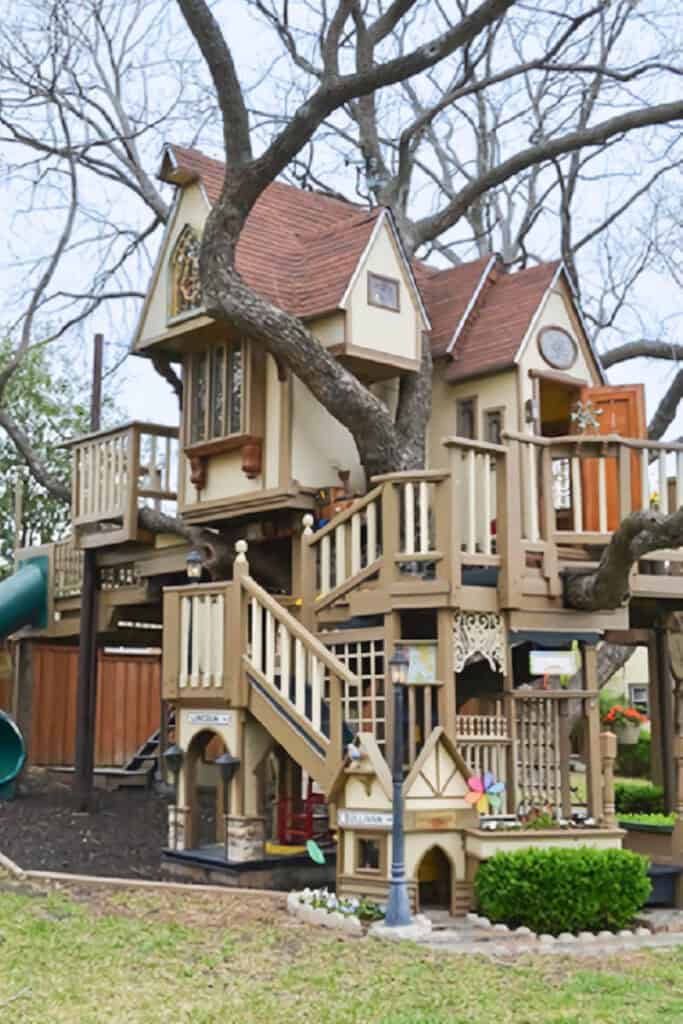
x=246, y=838
x=177, y=825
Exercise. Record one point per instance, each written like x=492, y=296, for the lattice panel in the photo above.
x=539, y=769
x=364, y=703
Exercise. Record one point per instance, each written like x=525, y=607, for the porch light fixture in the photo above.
x=398, y=906
x=173, y=758
x=398, y=667
x=193, y=564
x=228, y=766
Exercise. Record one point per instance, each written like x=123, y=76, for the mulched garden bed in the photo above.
x=41, y=830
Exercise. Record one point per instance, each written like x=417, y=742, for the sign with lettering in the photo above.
x=436, y=821
x=365, y=819
x=210, y=718
x=553, y=663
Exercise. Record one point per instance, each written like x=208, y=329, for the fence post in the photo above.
x=509, y=543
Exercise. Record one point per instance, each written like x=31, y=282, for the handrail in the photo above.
x=453, y=441
x=299, y=632
x=406, y=475
x=160, y=429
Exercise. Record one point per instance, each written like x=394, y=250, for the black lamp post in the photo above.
x=398, y=907
x=228, y=766
x=173, y=758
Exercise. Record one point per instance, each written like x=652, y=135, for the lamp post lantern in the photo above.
x=193, y=565
x=173, y=759
x=398, y=906
x=228, y=766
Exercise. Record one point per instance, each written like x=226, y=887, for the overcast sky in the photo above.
x=136, y=386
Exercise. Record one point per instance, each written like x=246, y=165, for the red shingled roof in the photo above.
x=299, y=249
x=447, y=294
x=491, y=339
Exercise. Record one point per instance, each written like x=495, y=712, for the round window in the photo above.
x=558, y=348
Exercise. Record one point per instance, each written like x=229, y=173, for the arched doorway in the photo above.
x=434, y=880
x=204, y=791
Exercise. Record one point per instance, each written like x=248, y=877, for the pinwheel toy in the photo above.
x=485, y=793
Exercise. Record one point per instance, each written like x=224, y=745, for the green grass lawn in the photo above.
x=141, y=957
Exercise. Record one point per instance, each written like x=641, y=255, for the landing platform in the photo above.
x=283, y=871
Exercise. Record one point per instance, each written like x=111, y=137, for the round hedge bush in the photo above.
x=563, y=890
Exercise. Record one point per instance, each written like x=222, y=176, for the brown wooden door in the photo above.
x=623, y=413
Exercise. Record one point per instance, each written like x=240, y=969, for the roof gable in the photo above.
x=438, y=771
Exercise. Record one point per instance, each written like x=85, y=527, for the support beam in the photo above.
x=592, y=714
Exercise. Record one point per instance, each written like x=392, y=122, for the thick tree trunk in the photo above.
x=637, y=535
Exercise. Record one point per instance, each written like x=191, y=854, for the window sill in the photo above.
x=219, y=445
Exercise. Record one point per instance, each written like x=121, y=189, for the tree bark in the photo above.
x=607, y=587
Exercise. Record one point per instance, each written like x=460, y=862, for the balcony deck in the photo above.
x=115, y=474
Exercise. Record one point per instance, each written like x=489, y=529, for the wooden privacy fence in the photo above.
x=128, y=705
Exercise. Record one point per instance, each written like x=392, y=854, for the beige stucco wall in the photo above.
x=493, y=392
x=321, y=446
x=224, y=479
x=556, y=311
x=369, y=327
x=329, y=330
x=192, y=209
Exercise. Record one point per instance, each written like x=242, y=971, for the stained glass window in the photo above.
x=216, y=381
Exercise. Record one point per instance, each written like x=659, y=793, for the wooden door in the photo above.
x=623, y=413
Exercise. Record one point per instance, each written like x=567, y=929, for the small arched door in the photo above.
x=204, y=789
x=435, y=881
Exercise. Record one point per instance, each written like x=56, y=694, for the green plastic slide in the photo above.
x=12, y=756
x=23, y=596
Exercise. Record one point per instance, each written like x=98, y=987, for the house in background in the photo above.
x=532, y=462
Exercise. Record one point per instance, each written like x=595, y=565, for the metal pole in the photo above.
x=398, y=907
x=86, y=691
x=226, y=815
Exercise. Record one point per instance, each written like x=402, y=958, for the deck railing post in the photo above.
x=239, y=621
x=307, y=573
x=608, y=752
x=391, y=532
x=453, y=532
x=509, y=543
x=592, y=715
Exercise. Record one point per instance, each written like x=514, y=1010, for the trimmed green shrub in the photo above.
x=634, y=760
x=667, y=820
x=638, y=798
x=563, y=890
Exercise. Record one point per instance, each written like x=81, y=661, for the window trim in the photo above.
x=381, y=840
x=224, y=442
x=460, y=403
x=500, y=410
x=372, y=276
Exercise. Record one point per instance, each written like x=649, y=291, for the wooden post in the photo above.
x=511, y=716
x=86, y=691
x=307, y=574
x=446, y=697
x=666, y=716
x=608, y=750
x=565, y=751
x=592, y=712
x=238, y=625
x=509, y=526
x=22, y=699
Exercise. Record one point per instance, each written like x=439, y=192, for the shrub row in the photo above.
x=563, y=890
x=638, y=798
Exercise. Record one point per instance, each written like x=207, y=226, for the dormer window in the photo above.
x=216, y=400
x=186, y=292
x=383, y=292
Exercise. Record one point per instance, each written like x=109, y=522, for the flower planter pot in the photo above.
x=628, y=733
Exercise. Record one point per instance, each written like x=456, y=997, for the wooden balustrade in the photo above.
x=346, y=550
x=484, y=742
x=115, y=473
x=196, y=625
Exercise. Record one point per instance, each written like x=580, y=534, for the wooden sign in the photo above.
x=552, y=663
x=436, y=821
x=365, y=819
x=210, y=718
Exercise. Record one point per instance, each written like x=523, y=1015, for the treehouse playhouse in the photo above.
x=276, y=695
